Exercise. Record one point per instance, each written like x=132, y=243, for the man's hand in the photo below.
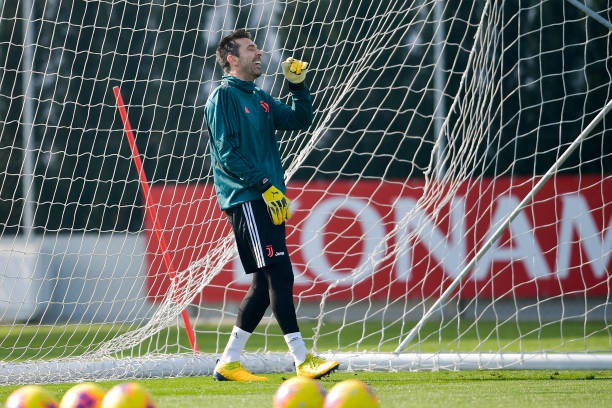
x=278, y=205
x=294, y=70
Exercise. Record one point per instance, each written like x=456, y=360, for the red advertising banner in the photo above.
x=560, y=243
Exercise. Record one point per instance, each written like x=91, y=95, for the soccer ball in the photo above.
x=127, y=395
x=86, y=395
x=299, y=392
x=351, y=394
x=31, y=396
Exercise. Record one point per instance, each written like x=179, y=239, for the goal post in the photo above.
x=450, y=202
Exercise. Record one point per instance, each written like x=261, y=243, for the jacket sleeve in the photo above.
x=224, y=133
x=299, y=115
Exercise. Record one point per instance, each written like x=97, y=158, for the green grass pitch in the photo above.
x=472, y=389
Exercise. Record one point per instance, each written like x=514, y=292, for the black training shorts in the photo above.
x=260, y=242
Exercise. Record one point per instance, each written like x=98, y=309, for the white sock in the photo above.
x=296, y=347
x=234, y=346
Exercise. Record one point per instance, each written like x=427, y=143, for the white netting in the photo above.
x=433, y=120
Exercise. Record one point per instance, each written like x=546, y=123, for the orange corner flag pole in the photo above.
x=151, y=208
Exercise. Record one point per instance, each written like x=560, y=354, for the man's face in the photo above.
x=248, y=65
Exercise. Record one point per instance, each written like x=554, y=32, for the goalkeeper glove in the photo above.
x=277, y=203
x=294, y=70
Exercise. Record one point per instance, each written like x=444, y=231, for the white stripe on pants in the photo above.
x=247, y=209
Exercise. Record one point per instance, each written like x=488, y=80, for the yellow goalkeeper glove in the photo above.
x=278, y=205
x=294, y=70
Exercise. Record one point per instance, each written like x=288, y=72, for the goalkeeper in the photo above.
x=242, y=121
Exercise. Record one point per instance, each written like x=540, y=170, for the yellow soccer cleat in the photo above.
x=234, y=371
x=316, y=367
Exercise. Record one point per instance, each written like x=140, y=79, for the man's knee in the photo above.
x=280, y=276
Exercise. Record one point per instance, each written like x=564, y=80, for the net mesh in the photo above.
x=433, y=119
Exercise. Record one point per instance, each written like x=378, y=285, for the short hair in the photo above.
x=228, y=46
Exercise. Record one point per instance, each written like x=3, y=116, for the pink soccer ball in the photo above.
x=30, y=396
x=299, y=392
x=128, y=395
x=86, y=395
x=351, y=393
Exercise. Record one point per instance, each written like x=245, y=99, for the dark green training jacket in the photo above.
x=242, y=120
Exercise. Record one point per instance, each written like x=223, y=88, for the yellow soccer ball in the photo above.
x=351, y=394
x=31, y=396
x=86, y=395
x=128, y=395
x=299, y=392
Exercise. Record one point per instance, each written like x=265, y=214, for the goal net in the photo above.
x=451, y=200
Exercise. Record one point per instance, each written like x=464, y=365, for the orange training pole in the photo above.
x=150, y=207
